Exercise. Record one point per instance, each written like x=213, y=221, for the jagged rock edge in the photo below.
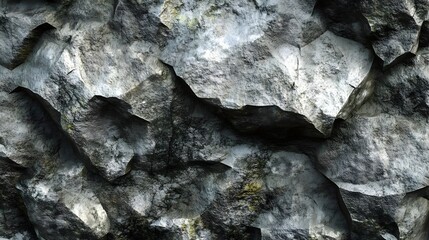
x=219, y=111
x=28, y=44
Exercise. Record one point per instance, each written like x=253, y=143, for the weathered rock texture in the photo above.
x=186, y=119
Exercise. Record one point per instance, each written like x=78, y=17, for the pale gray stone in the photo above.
x=238, y=55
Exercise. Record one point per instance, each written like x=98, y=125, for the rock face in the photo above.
x=185, y=119
x=380, y=157
x=272, y=57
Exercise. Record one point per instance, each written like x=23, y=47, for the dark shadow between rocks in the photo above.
x=59, y=152
x=27, y=45
x=268, y=123
x=71, y=151
x=12, y=208
x=54, y=114
x=424, y=35
x=380, y=220
x=344, y=20
x=111, y=136
x=343, y=206
x=403, y=58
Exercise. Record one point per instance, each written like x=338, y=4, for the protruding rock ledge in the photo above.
x=234, y=64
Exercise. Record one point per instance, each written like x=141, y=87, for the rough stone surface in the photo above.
x=185, y=119
x=306, y=216
x=14, y=222
x=392, y=27
x=369, y=157
x=381, y=156
x=235, y=59
x=22, y=25
x=395, y=26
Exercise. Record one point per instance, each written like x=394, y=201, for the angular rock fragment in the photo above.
x=111, y=136
x=14, y=223
x=343, y=18
x=161, y=204
x=77, y=71
x=63, y=207
x=413, y=217
x=424, y=35
x=55, y=196
x=236, y=62
x=393, y=216
x=379, y=156
x=21, y=26
x=392, y=27
x=26, y=135
x=367, y=153
x=306, y=212
x=20, y=50
x=395, y=26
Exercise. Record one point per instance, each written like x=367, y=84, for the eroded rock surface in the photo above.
x=184, y=119
x=306, y=215
x=241, y=54
x=368, y=157
x=381, y=156
x=14, y=223
x=22, y=26
x=392, y=27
